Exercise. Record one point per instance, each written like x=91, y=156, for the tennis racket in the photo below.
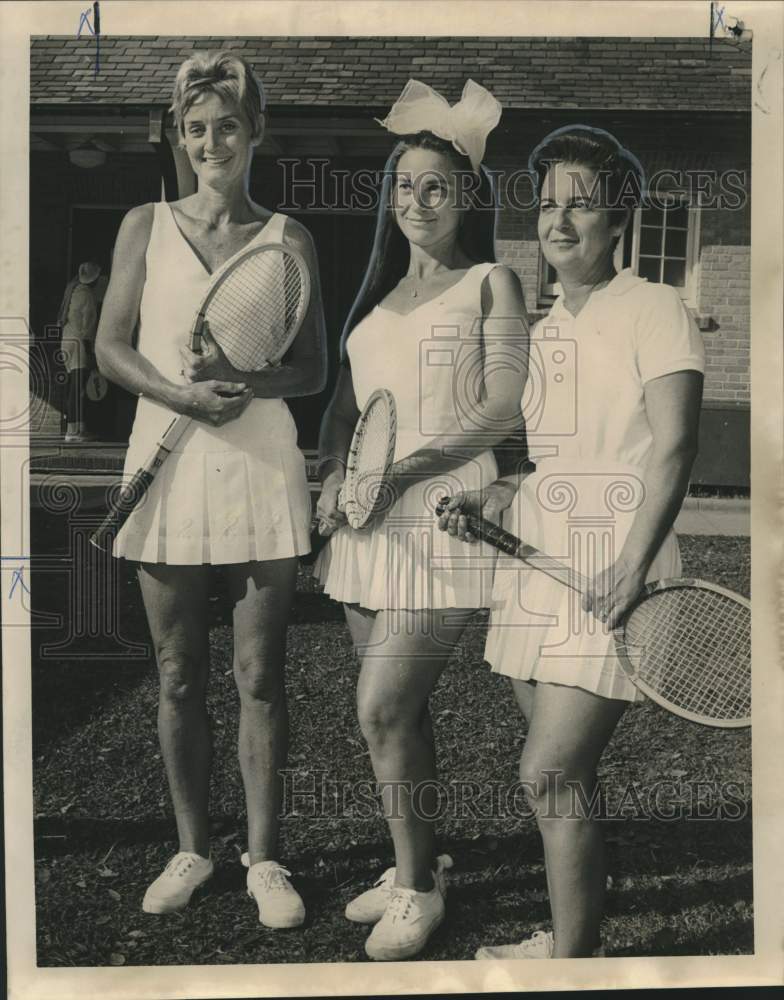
x=255, y=306
x=364, y=492
x=685, y=643
x=370, y=455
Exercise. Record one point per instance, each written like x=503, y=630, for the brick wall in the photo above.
x=523, y=258
x=725, y=276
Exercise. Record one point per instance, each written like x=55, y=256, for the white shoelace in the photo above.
x=399, y=905
x=179, y=866
x=539, y=941
x=272, y=877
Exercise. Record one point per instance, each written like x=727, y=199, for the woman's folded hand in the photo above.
x=613, y=591
x=328, y=515
x=214, y=402
x=488, y=504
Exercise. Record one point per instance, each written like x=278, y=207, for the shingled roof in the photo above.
x=664, y=74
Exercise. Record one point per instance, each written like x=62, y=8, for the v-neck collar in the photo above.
x=197, y=256
x=427, y=302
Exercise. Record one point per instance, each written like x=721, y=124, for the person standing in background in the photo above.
x=79, y=320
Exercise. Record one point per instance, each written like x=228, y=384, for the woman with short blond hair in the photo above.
x=234, y=491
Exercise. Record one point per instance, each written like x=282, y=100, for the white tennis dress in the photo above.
x=401, y=560
x=590, y=438
x=227, y=494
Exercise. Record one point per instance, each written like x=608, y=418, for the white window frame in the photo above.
x=689, y=290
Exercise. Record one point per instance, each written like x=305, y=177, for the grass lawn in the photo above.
x=104, y=828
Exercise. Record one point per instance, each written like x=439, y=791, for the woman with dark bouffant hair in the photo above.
x=443, y=327
x=234, y=491
x=606, y=495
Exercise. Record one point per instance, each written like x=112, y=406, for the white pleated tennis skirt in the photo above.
x=537, y=629
x=402, y=560
x=226, y=495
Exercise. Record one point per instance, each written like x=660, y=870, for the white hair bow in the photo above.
x=466, y=124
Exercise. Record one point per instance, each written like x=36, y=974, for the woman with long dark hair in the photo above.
x=606, y=495
x=443, y=327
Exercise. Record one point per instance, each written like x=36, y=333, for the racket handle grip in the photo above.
x=486, y=531
x=128, y=499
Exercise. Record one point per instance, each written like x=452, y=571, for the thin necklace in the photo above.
x=418, y=284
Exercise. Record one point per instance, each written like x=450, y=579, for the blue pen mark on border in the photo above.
x=17, y=575
x=17, y=579
x=717, y=17
x=94, y=27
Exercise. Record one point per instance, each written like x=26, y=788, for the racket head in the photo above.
x=370, y=456
x=686, y=643
x=255, y=305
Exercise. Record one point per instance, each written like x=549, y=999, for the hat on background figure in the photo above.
x=89, y=272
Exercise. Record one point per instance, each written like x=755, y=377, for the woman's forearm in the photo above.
x=123, y=364
x=334, y=444
x=442, y=454
x=665, y=483
x=286, y=381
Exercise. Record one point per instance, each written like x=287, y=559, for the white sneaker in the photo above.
x=279, y=903
x=173, y=888
x=368, y=908
x=408, y=921
x=540, y=945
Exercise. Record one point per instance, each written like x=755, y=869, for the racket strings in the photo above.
x=368, y=462
x=253, y=311
x=690, y=645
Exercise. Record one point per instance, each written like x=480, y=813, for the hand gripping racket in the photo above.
x=255, y=307
x=364, y=492
x=684, y=643
x=370, y=456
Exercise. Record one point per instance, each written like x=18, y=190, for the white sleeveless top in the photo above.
x=227, y=494
x=402, y=560
x=175, y=284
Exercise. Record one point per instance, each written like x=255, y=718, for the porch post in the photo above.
x=177, y=178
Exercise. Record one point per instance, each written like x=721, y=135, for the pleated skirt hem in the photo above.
x=403, y=562
x=221, y=508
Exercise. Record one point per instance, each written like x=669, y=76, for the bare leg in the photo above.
x=262, y=593
x=360, y=624
x=524, y=695
x=569, y=730
x=399, y=670
x=175, y=598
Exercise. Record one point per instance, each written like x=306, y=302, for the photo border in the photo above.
x=399, y=17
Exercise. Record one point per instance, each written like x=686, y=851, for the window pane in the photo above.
x=675, y=272
x=652, y=216
x=650, y=241
x=550, y=276
x=678, y=217
x=649, y=268
x=675, y=243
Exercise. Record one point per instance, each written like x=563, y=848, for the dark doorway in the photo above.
x=93, y=233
